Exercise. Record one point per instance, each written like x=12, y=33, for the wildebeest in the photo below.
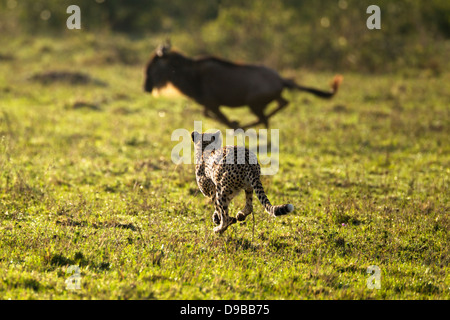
x=214, y=82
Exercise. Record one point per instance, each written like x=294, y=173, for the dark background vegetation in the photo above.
x=312, y=34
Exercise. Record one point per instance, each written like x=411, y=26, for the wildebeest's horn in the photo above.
x=160, y=51
x=168, y=44
x=163, y=48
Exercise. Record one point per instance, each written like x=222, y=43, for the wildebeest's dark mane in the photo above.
x=221, y=61
x=209, y=58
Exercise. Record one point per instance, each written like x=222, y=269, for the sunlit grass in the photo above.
x=86, y=179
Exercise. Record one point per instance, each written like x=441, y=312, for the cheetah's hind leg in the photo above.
x=221, y=207
x=248, y=209
x=216, y=218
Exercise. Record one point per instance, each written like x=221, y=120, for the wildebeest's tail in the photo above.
x=270, y=209
x=290, y=84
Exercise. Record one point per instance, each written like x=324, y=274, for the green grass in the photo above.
x=86, y=179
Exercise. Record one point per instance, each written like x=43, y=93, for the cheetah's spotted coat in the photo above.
x=222, y=172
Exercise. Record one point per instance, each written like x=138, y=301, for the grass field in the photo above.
x=86, y=179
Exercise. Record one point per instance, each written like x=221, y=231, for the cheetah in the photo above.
x=221, y=172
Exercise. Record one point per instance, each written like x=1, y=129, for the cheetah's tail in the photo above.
x=270, y=209
x=280, y=210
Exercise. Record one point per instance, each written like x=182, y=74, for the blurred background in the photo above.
x=312, y=34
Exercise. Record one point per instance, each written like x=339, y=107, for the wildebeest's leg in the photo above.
x=248, y=209
x=207, y=113
x=222, y=118
x=282, y=103
x=258, y=110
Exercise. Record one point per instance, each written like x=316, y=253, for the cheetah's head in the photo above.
x=206, y=141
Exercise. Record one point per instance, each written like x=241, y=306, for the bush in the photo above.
x=283, y=34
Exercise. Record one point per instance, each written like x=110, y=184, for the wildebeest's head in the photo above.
x=156, y=75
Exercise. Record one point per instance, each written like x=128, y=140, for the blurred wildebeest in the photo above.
x=213, y=82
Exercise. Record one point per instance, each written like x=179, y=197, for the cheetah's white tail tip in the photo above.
x=280, y=210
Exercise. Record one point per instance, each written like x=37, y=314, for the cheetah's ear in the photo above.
x=193, y=135
x=217, y=134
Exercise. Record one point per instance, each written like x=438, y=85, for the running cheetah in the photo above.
x=222, y=172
